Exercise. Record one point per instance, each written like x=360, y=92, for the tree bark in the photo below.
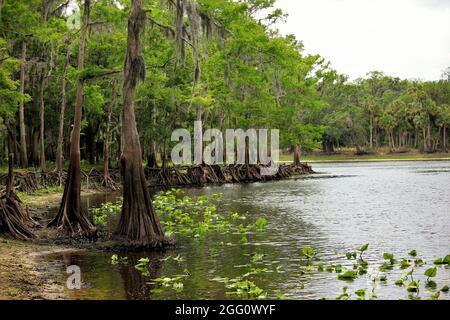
x=42, y=165
x=59, y=148
x=198, y=137
x=10, y=182
x=138, y=221
x=371, y=132
x=70, y=216
x=425, y=140
x=23, y=135
x=297, y=152
x=151, y=158
x=106, y=177
x=445, y=139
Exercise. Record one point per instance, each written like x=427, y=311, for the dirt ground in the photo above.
x=21, y=275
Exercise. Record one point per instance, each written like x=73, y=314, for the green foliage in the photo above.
x=116, y=259
x=308, y=252
x=243, y=240
x=106, y=211
x=172, y=282
x=246, y=290
x=413, y=286
x=404, y=264
x=320, y=266
x=198, y=216
x=364, y=248
x=348, y=275
x=344, y=295
x=261, y=224
x=351, y=255
x=142, y=266
x=443, y=261
x=431, y=273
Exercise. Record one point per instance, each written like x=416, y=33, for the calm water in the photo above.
x=394, y=206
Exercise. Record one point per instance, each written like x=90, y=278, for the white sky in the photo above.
x=403, y=38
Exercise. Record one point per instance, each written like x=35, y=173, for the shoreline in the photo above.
x=375, y=160
x=22, y=274
x=343, y=158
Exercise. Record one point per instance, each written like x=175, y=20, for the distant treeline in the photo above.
x=381, y=111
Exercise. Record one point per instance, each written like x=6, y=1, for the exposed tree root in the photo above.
x=14, y=220
x=159, y=177
x=109, y=184
x=216, y=174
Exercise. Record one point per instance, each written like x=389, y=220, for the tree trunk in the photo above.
x=70, y=216
x=90, y=143
x=151, y=158
x=416, y=138
x=392, y=140
x=10, y=182
x=371, y=132
x=33, y=158
x=23, y=135
x=198, y=137
x=59, y=148
x=107, y=182
x=445, y=139
x=425, y=145
x=297, y=154
x=138, y=221
x=42, y=165
x=106, y=146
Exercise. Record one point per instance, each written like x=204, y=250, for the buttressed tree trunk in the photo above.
x=70, y=216
x=23, y=135
x=138, y=221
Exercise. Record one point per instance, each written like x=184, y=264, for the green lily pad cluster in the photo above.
x=198, y=216
x=171, y=282
x=101, y=214
x=191, y=216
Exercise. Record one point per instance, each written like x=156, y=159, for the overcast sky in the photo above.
x=403, y=38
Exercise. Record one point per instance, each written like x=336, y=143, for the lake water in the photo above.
x=393, y=206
